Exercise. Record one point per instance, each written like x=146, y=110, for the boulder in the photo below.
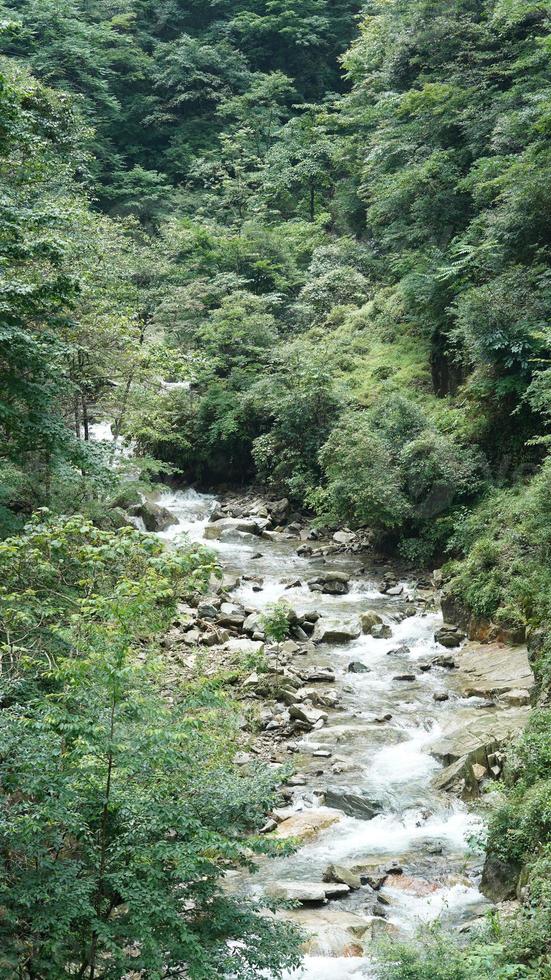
x=499, y=878
x=381, y=632
x=332, y=631
x=253, y=624
x=352, y=804
x=395, y=590
x=297, y=891
x=279, y=510
x=335, y=872
x=307, y=715
x=357, y=667
x=449, y=636
x=319, y=675
x=229, y=525
x=208, y=609
x=344, y=537
x=330, y=583
x=154, y=517
x=368, y=620
x=307, y=823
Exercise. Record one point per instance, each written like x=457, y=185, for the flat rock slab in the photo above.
x=307, y=823
x=486, y=669
x=330, y=931
x=468, y=746
x=332, y=631
x=489, y=730
x=306, y=891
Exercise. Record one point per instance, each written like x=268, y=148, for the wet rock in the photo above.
x=404, y=677
x=446, y=660
x=400, y=651
x=374, y=881
x=381, y=632
x=352, y=804
x=441, y=696
x=380, y=719
x=336, y=873
x=357, y=667
x=229, y=525
x=389, y=582
x=449, y=636
x=332, y=631
x=368, y=620
x=395, y=590
x=394, y=868
x=297, y=891
x=155, y=517
x=330, y=583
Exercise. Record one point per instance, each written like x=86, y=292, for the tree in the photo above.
x=120, y=814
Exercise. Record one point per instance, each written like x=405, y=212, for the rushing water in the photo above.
x=391, y=764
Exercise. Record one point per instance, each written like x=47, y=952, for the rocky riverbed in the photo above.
x=391, y=720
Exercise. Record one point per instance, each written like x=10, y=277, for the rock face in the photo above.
x=475, y=743
x=499, y=879
x=489, y=669
x=155, y=517
x=332, y=631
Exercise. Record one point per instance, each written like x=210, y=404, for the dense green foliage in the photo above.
x=120, y=808
x=264, y=239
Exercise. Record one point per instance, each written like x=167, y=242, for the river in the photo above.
x=390, y=763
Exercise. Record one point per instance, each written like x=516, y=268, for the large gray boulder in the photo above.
x=231, y=525
x=336, y=872
x=353, y=804
x=332, y=631
x=306, y=892
x=154, y=517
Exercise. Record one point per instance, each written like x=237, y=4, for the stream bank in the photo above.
x=391, y=721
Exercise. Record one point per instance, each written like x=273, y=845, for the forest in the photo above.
x=300, y=246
